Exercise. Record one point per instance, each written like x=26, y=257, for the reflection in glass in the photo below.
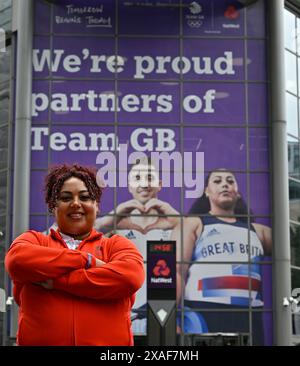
x=5, y=17
x=298, y=60
x=289, y=31
x=291, y=72
x=2, y=237
x=294, y=195
x=292, y=115
x=4, y=103
x=298, y=35
x=293, y=158
x=3, y=147
x=295, y=278
x=3, y=195
x=295, y=244
x=5, y=4
x=5, y=64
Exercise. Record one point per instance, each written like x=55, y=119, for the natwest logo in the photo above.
x=161, y=269
x=231, y=12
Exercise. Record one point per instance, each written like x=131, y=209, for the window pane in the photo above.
x=267, y=321
x=292, y=115
x=291, y=72
x=294, y=193
x=298, y=35
x=293, y=156
x=3, y=193
x=2, y=236
x=5, y=65
x=289, y=31
x=3, y=147
x=295, y=245
x=298, y=58
x=4, y=103
x=5, y=19
x=5, y=4
x=295, y=278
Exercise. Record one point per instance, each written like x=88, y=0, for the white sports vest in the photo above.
x=232, y=283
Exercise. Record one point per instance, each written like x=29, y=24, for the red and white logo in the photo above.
x=231, y=12
x=161, y=269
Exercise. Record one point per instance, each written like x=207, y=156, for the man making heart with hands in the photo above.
x=140, y=219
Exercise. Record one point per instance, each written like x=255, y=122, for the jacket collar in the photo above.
x=93, y=235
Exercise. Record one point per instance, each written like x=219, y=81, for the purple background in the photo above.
x=134, y=21
x=41, y=86
x=149, y=88
x=229, y=104
x=259, y=148
x=42, y=17
x=258, y=104
x=257, y=68
x=214, y=49
x=60, y=10
x=41, y=43
x=213, y=19
x=139, y=19
x=76, y=45
x=130, y=47
x=240, y=119
x=72, y=86
x=222, y=146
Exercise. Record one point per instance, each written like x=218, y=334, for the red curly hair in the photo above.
x=60, y=173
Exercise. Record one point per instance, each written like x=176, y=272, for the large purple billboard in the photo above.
x=117, y=83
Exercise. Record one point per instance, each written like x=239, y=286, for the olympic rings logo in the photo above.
x=195, y=23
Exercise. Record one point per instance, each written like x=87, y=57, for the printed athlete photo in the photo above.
x=149, y=176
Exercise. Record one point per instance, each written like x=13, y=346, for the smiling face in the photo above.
x=222, y=191
x=144, y=182
x=75, y=210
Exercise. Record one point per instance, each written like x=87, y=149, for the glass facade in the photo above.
x=196, y=82
x=108, y=84
x=292, y=59
x=5, y=15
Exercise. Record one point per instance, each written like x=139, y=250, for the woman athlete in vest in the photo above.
x=224, y=273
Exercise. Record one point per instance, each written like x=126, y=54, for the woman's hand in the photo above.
x=164, y=209
x=48, y=284
x=99, y=263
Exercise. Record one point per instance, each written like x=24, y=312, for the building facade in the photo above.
x=292, y=90
x=5, y=123
x=193, y=85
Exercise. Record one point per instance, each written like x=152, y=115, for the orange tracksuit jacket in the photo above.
x=86, y=306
